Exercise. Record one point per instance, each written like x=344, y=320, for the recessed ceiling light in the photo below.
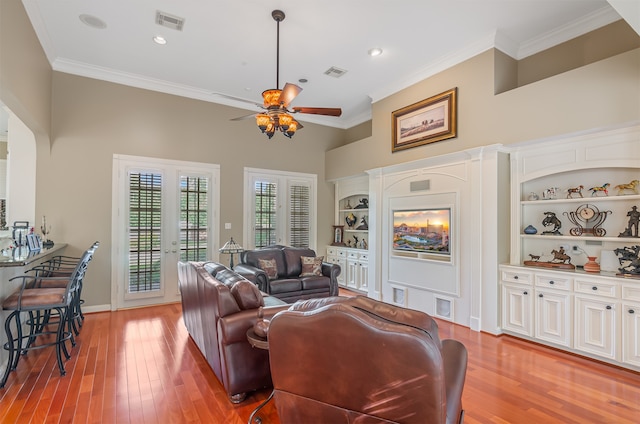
x=93, y=21
x=376, y=51
x=159, y=39
x=303, y=80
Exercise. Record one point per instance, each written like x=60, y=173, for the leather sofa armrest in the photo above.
x=454, y=358
x=234, y=327
x=256, y=275
x=332, y=271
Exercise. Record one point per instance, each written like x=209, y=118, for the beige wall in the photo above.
x=94, y=119
x=600, y=94
x=25, y=73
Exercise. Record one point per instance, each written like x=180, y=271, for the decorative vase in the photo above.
x=592, y=265
x=530, y=229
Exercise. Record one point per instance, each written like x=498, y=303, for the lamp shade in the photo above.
x=231, y=247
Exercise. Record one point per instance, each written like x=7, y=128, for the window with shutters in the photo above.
x=281, y=208
x=145, y=227
x=194, y=218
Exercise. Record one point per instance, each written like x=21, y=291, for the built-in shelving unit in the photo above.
x=595, y=314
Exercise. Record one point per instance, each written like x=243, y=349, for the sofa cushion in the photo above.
x=285, y=285
x=311, y=266
x=270, y=267
x=228, y=277
x=247, y=295
x=292, y=257
x=315, y=283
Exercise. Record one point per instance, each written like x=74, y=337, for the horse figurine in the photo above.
x=574, y=190
x=534, y=257
x=632, y=186
x=559, y=255
x=603, y=188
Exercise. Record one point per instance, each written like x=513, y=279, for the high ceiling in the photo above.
x=229, y=46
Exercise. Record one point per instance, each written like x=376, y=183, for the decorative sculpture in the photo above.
x=574, y=190
x=363, y=224
x=634, y=220
x=559, y=259
x=364, y=204
x=552, y=220
x=632, y=186
x=629, y=258
x=350, y=220
x=604, y=188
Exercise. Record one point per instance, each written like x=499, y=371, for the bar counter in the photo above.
x=21, y=256
x=15, y=262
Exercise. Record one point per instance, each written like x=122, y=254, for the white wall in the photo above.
x=21, y=172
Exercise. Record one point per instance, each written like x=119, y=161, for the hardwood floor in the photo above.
x=140, y=366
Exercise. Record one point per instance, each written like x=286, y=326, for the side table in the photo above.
x=259, y=343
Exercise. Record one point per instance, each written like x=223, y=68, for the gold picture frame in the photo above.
x=430, y=120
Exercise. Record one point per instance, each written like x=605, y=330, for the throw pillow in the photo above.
x=270, y=267
x=311, y=266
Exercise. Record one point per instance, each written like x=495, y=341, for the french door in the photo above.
x=163, y=212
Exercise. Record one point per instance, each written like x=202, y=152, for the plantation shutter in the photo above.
x=145, y=225
x=299, y=214
x=265, y=200
x=194, y=218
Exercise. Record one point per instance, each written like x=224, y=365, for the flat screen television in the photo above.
x=422, y=231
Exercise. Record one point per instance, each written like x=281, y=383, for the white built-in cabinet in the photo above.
x=352, y=254
x=595, y=314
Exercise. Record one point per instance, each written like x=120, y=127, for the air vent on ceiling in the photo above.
x=335, y=72
x=169, y=21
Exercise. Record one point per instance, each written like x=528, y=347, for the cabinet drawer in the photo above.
x=331, y=251
x=598, y=288
x=353, y=256
x=363, y=257
x=516, y=277
x=631, y=293
x=341, y=253
x=553, y=282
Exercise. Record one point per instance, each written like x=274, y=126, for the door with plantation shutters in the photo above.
x=281, y=209
x=166, y=212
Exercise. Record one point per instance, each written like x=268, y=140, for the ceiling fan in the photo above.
x=277, y=115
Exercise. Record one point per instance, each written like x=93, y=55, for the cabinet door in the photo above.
x=351, y=274
x=516, y=309
x=595, y=326
x=631, y=334
x=343, y=271
x=363, y=277
x=553, y=317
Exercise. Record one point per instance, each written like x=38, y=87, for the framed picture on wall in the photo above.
x=430, y=120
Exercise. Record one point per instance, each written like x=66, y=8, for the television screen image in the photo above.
x=422, y=231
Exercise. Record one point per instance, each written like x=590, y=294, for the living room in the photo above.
x=80, y=123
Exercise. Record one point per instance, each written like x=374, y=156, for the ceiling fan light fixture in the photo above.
x=271, y=97
x=291, y=130
x=285, y=120
x=263, y=120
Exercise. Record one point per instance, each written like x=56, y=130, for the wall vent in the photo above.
x=335, y=72
x=443, y=307
x=169, y=21
x=420, y=185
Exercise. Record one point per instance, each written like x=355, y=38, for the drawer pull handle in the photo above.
x=515, y=277
x=525, y=293
x=631, y=311
x=608, y=306
x=540, y=295
x=552, y=282
x=594, y=288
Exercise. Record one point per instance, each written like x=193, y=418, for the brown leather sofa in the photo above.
x=288, y=284
x=348, y=360
x=218, y=307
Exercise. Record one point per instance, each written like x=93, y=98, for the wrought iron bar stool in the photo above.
x=37, y=302
x=63, y=266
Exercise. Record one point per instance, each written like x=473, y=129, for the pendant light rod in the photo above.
x=278, y=16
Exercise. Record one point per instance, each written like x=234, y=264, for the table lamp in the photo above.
x=231, y=247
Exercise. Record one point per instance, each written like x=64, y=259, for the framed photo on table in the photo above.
x=338, y=235
x=430, y=120
x=34, y=242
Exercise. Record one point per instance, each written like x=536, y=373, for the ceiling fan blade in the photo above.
x=241, y=118
x=289, y=92
x=239, y=99
x=328, y=111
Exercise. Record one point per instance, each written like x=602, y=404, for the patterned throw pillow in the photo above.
x=270, y=267
x=311, y=266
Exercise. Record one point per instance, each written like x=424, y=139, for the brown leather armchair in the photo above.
x=357, y=360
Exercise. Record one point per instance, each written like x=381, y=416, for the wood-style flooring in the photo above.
x=140, y=366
